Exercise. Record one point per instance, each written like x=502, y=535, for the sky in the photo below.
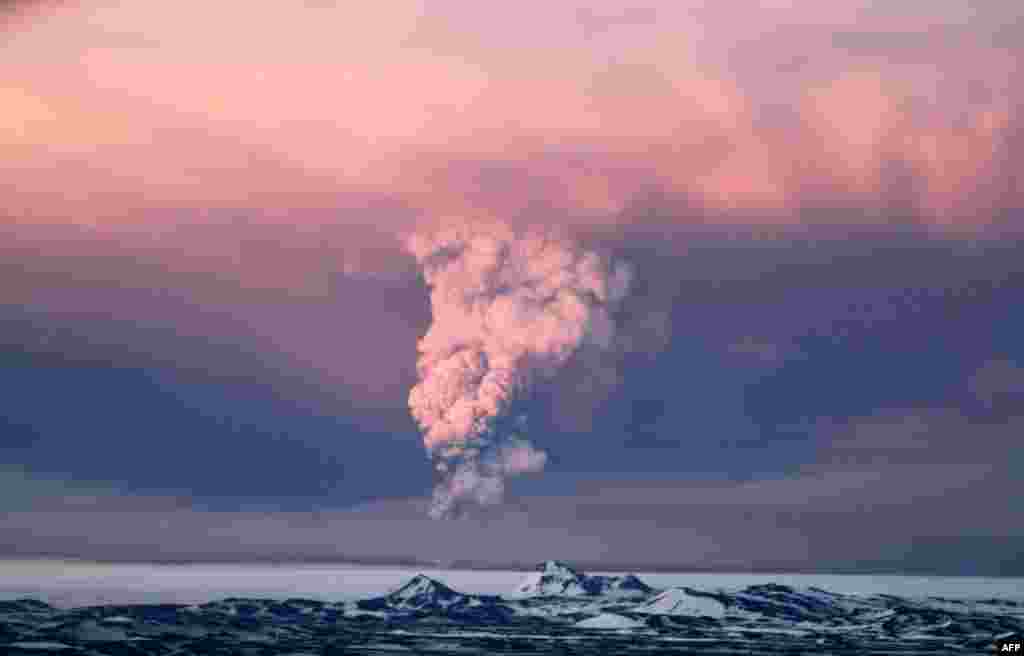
x=209, y=311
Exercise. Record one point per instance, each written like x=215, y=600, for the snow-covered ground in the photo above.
x=549, y=609
x=70, y=583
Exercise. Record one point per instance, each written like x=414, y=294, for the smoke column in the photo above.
x=509, y=309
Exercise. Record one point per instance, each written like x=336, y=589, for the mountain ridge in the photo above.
x=556, y=578
x=422, y=610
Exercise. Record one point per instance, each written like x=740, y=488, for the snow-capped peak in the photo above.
x=681, y=601
x=557, y=568
x=421, y=590
x=555, y=578
x=627, y=585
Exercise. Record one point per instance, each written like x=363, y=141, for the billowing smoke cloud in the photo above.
x=509, y=309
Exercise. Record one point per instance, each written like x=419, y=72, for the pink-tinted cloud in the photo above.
x=232, y=147
x=128, y=107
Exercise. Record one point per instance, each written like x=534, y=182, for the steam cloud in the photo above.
x=509, y=309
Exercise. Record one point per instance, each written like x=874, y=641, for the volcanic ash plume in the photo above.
x=509, y=309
